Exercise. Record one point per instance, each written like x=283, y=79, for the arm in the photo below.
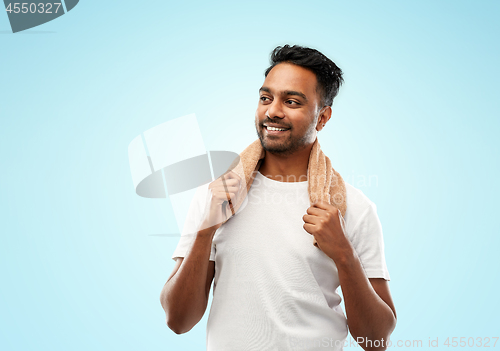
x=185, y=294
x=370, y=311
x=369, y=308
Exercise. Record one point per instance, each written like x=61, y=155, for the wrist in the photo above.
x=207, y=232
x=345, y=258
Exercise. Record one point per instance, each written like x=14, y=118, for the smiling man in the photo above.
x=289, y=140
x=274, y=289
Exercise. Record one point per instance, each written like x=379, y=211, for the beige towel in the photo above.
x=325, y=183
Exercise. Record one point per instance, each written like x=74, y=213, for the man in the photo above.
x=273, y=289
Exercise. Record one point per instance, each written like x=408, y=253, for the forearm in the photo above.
x=184, y=297
x=368, y=316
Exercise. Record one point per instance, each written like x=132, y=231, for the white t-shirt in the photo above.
x=273, y=289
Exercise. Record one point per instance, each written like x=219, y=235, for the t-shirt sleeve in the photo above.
x=192, y=223
x=367, y=239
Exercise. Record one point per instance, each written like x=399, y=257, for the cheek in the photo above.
x=259, y=116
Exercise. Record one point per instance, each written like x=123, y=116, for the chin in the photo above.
x=279, y=149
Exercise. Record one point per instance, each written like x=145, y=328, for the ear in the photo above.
x=324, y=116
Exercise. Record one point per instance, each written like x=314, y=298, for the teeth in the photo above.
x=272, y=128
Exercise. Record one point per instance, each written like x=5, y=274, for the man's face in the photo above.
x=288, y=100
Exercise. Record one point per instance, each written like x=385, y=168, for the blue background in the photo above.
x=418, y=112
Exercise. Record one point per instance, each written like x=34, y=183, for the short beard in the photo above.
x=288, y=146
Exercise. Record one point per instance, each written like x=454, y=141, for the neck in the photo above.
x=286, y=168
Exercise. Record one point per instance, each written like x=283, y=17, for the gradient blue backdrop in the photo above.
x=418, y=112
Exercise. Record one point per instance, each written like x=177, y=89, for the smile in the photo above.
x=275, y=131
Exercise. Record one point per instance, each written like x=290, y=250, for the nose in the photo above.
x=275, y=110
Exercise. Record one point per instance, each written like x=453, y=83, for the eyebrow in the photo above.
x=285, y=93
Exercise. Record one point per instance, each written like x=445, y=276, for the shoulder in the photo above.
x=357, y=202
x=359, y=206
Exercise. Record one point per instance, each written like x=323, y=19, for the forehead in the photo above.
x=287, y=76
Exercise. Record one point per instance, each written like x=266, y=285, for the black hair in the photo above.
x=328, y=74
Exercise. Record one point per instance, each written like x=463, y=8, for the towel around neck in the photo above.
x=325, y=184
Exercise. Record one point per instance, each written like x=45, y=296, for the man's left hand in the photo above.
x=323, y=222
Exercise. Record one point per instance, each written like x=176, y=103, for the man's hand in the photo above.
x=368, y=303
x=222, y=198
x=323, y=222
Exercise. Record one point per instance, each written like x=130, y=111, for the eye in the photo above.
x=292, y=102
x=264, y=98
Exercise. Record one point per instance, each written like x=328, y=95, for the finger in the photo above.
x=222, y=180
x=222, y=189
x=309, y=228
x=315, y=211
x=225, y=195
x=227, y=183
x=234, y=182
x=325, y=206
x=218, y=185
x=310, y=219
x=231, y=175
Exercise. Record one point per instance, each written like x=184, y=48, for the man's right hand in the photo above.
x=221, y=199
